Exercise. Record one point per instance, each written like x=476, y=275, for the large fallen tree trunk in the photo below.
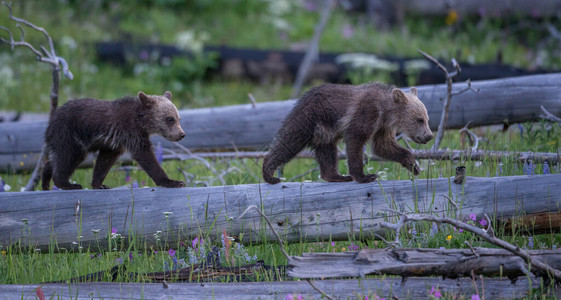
x=245, y=127
x=389, y=288
x=459, y=155
x=301, y=211
x=448, y=263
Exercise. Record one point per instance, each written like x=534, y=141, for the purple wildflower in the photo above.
x=435, y=292
x=92, y=256
x=310, y=6
x=483, y=222
x=135, y=184
x=195, y=242
x=119, y=261
x=144, y=55
x=531, y=242
x=482, y=12
x=353, y=247
x=433, y=229
x=347, y=31
x=475, y=297
x=458, y=230
x=113, y=230
x=171, y=252
x=529, y=168
x=332, y=244
x=546, y=168
x=159, y=152
x=472, y=217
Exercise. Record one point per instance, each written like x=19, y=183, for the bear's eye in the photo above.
x=170, y=119
x=420, y=120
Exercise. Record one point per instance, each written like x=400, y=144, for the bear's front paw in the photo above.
x=70, y=186
x=416, y=170
x=337, y=178
x=367, y=178
x=101, y=187
x=174, y=184
x=273, y=180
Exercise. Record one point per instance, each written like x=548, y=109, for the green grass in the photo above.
x=26, y=84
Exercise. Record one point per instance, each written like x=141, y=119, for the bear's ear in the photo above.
x=413, y=90
x=399, y=96
x=168, y=95
x=146, y=100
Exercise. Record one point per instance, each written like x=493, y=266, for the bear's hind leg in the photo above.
x=281, y=153
x=105, y=159
x=46, y=176
x=64, y=166
x=326, y=155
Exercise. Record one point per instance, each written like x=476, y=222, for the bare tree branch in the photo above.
x=313, y=48
x=48, y=56
x=488, y=235
x=449, y=94
x=549, y=116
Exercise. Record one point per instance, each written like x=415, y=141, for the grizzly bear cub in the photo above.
x=357, y=114
x=110, y=127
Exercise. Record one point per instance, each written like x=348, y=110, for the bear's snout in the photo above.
x=427, y=138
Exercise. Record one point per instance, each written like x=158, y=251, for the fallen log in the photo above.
x=448, y=263
x=301, y=211
x=389, y=288
x=245, y=127
x=478, y=155
x=482, y=7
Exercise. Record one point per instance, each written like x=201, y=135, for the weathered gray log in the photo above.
x=301, y=211
x=242, y=126
x=448, y=263
x=389, y=288
x=478, y=155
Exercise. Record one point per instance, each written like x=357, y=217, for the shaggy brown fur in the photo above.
x=110, y=127
x=329, y=112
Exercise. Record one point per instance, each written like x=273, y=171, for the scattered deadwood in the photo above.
x=495, y=8
x=300, y=211
x=389, y=288
x=195, y=273
x=247, y=128
x=448, y=263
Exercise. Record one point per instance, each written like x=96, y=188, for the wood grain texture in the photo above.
x=413, y=288
x=302, y=211
x=513, y=100
x=448, y=263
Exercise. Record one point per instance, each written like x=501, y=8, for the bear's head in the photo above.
x=163, y=116
x=413, y=118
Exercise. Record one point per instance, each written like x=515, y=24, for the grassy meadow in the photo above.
x=76, y=26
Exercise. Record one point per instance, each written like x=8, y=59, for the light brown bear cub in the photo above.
x=110, y=127
x=357, y=114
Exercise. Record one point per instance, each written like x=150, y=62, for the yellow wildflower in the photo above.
x=452, y=17
x=449, y=238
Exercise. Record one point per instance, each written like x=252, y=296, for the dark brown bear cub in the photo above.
x=357, y=114
x=110, y=127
